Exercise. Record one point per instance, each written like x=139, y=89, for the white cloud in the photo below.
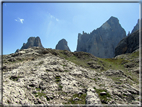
x=19, y=20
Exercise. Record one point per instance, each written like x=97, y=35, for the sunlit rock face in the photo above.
x=62, y=45
x=102, y=41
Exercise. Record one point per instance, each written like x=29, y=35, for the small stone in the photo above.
x=103, y=93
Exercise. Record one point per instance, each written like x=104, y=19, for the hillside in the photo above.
x=47, y=76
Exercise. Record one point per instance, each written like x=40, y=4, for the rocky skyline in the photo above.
x=100, y=42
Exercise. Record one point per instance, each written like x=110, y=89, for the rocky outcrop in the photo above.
x=62, y=45
x=43, y=76
x=32, y=42
x=128, y=44
x=102, y=41
x=136, y=27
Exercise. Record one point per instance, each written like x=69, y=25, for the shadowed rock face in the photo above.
x=102, y=41
x=62, y=45
x=136, y=27
x=32, y=42
x=128, y=44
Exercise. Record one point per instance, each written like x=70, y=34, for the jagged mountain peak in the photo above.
x=32, y=42
x=62, y=45
x=102, y=41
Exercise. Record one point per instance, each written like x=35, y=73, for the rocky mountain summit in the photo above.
x=102, y=41
x=32, y=42
x=62, y=45
x=47, y=76
x=128, y=44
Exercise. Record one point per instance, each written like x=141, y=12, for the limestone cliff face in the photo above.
x=32, y=42
x=128, y=44
x=62, y=45
x=102, y=41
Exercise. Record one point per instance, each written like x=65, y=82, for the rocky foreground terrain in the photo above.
x=47, y=76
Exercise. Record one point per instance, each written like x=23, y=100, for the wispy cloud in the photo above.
x=19, y=20
x=52, y=17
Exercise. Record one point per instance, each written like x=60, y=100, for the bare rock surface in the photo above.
x=102, y=41
x=62, y=45
x=42, y=76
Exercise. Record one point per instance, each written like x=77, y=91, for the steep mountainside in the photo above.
x=62, y=45
x=136, y=27
x=32, y=42
x=128, y=44
x=102, y=41
x=48, y=76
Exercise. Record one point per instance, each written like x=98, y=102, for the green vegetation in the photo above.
x=134, y=54
x=62, y=93
x=104, y=98
x=81, y=99
x=64, y=65
x=40, y=94
x=112, y=63
x=81, y=61
x=37, y=89
x=14, y=78
x=60, y=88
x=66, y=71
x=57, y=79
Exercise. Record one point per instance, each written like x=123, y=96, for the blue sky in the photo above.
x=55, y=21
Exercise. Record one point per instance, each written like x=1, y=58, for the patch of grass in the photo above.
x=60, y=87
x=37, y=89
x=80, y=101
x=113, y=63
x=57, y=79
x=40, y=94
x=114, y=78
x=104, y=98
x=135, y=54
x=62, y=93
x=64, y=65
x=66, y=71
